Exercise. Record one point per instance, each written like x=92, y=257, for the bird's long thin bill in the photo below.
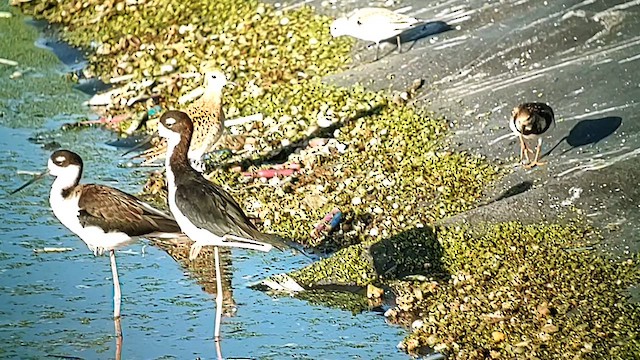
x=146, y=141
x=34, y=179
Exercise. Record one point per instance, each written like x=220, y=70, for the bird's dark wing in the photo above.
x=114, y=210
x=544, y=117
x=210, y=207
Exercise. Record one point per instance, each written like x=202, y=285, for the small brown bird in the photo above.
x=531, y=121
x=208, y=121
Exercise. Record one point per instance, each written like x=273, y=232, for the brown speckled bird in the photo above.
x=208, y=120
x=531, y=121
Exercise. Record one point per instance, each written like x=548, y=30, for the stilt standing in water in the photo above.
x=205, y=212
x=103, y=217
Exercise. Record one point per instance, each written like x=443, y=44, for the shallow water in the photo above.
x=61, y=303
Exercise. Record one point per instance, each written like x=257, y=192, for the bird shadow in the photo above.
x=589, y=131
x=415, y=251
x=282, y=153
x=412, y=254
x=427, y=29
x=416, y=33
x=516, y=189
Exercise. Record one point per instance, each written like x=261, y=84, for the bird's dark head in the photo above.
x=65, y=163
x=175, y=124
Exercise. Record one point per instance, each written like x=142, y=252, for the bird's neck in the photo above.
x=211, y=95
x=64, y=184
x=177, y=158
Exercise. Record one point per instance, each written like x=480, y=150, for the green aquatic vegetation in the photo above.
x=343, y=300
x=349, y=266
x=516, y=289
x=392, y=176
x=254, y=41
x=35, y=77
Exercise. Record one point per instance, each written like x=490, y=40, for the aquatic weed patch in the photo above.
x=523, y=291
x=251, y=40
x=30, y=91
x=390, y=175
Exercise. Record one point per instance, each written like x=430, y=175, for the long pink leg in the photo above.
x=216, y=254
x=118, y=326
x=116, y=285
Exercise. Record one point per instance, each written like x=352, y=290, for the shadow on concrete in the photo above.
x=589, y=131
x=427, y=29
x=414, y=34
x=515, y=190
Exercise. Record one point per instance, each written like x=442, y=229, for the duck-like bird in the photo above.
x=205, y=212
x=374, y=24
x=207, y=115
x=531, y=121
x=104, y=218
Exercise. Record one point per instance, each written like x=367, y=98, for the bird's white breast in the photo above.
x=67, y=212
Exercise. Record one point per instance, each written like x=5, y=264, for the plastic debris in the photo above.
x=280, y=170
x=328, y=223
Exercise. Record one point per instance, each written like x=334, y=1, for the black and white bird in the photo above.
x=205, y=212
x=103, y=217
x=530, y=121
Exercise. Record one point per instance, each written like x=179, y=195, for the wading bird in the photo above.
x=205, y=212
x=104, y=218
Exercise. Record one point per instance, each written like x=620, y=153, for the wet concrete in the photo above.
x=581, y=57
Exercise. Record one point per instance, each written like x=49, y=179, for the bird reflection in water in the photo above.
x=203, y=270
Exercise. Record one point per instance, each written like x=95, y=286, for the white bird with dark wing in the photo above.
x=530, y=121
x=103, y=217
x=208, y=118
x=205, y=212
x=374, y=24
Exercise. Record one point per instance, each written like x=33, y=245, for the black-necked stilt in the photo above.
x=531, y=121
x=103, y=217
x=205, y=212
x=207, y=115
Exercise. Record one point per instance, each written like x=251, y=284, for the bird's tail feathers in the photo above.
x=283, y=244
